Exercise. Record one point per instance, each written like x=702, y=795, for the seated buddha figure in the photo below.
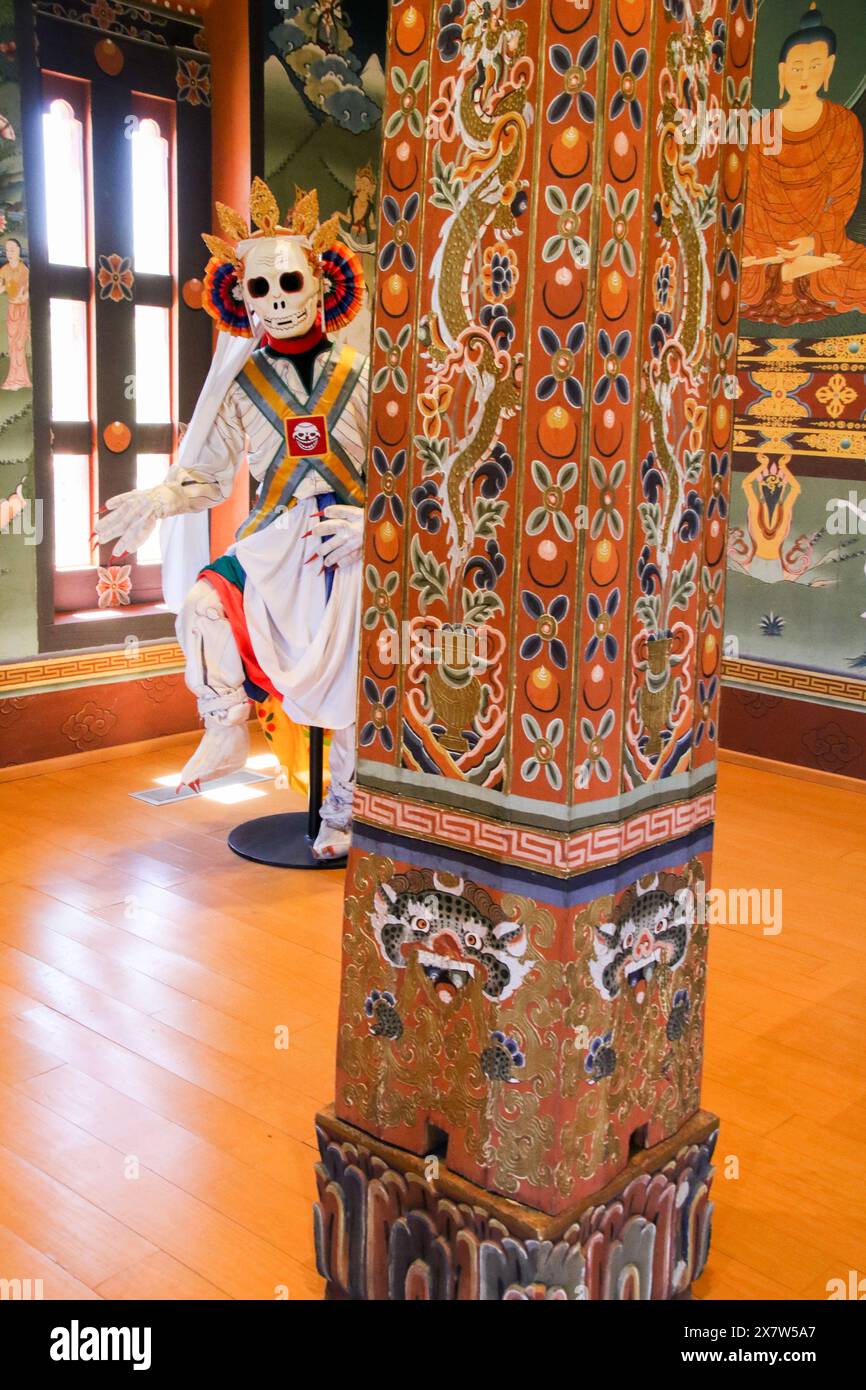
x=798, y=262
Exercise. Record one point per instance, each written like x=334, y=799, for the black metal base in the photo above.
x=281, y=841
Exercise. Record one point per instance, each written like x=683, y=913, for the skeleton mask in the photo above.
x=279, y=285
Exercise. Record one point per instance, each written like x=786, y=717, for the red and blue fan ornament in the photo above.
x=343, y=285
x=223, y=298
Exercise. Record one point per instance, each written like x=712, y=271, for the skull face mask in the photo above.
x=279, y=286
x=283, y=277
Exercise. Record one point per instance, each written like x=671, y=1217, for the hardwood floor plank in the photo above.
x=70, y=1230
x=19, y=1058
x=169, y=1149
x=144, y=970
x=169, y=1095
x=239, y=1261
x=12, y=1001
x=270, y=1047
x=725, y=1278
x=181, y=975
x=159, y=1277
x=48, y=1280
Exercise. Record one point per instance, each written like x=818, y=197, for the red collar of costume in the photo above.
x=293, y=347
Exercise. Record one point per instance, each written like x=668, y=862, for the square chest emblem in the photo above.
x=307, y=436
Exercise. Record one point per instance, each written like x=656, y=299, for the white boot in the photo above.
x=223, y=749
x=335, y=834
x=331, y=843
x=215, y=675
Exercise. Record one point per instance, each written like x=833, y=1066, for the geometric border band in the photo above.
x=57, y=672
x=560, y=855
x=793, y=680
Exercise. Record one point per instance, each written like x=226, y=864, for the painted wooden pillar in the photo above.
x=524, y=963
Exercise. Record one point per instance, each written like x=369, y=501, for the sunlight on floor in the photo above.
x=230, y=796
x=261, y=762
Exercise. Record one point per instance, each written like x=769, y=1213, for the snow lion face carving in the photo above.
x=651, y=927
x=456, y=933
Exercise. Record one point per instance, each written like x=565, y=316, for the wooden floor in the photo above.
x=154, y=1142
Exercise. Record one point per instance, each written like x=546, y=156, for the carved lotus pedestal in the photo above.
x=392, y=1226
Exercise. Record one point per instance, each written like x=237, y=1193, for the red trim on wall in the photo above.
x=56, y=723
x=799, y=732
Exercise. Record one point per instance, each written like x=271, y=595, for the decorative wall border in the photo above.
x=794, y=680
x=560, y=855
x=844, y=440
x=840, y=350
x=107, y=666
x=162, y=22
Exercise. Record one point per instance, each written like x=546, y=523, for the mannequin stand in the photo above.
x=285, y=841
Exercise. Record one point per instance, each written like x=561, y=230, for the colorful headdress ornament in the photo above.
x=334, y=265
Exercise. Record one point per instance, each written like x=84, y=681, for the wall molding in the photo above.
x=94, y=756
x=63, y=671
x=819, y=686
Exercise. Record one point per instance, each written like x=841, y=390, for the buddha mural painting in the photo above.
x=799, y=264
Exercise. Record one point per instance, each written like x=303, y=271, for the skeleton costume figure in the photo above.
x=279, y=614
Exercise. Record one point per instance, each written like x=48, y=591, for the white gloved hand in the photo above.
x=128, y=520
x=344, y=529
x=130, y=517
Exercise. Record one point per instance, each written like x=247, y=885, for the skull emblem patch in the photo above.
x=307, y=436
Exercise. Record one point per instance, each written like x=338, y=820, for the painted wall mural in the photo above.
x=322, y=102
x=795, y=630
x=552, y=414
x=324, y=90
x=19, y=517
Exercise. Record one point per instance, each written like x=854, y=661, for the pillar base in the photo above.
x=390, y=1225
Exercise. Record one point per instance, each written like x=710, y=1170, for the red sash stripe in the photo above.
x=233, y=603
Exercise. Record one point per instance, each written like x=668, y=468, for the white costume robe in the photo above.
x=308, y=648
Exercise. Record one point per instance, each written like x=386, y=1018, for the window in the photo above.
x=63, y=136
x=152, y=365
x=70, y=371
x=71, y=511
x=119, y=357
x=152, y=468
x=151, y=197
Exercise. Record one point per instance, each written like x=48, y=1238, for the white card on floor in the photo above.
x=170, y=796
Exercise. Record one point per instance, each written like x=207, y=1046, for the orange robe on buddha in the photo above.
x=810, y=188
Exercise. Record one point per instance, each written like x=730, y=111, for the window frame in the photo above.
x=68, y=614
